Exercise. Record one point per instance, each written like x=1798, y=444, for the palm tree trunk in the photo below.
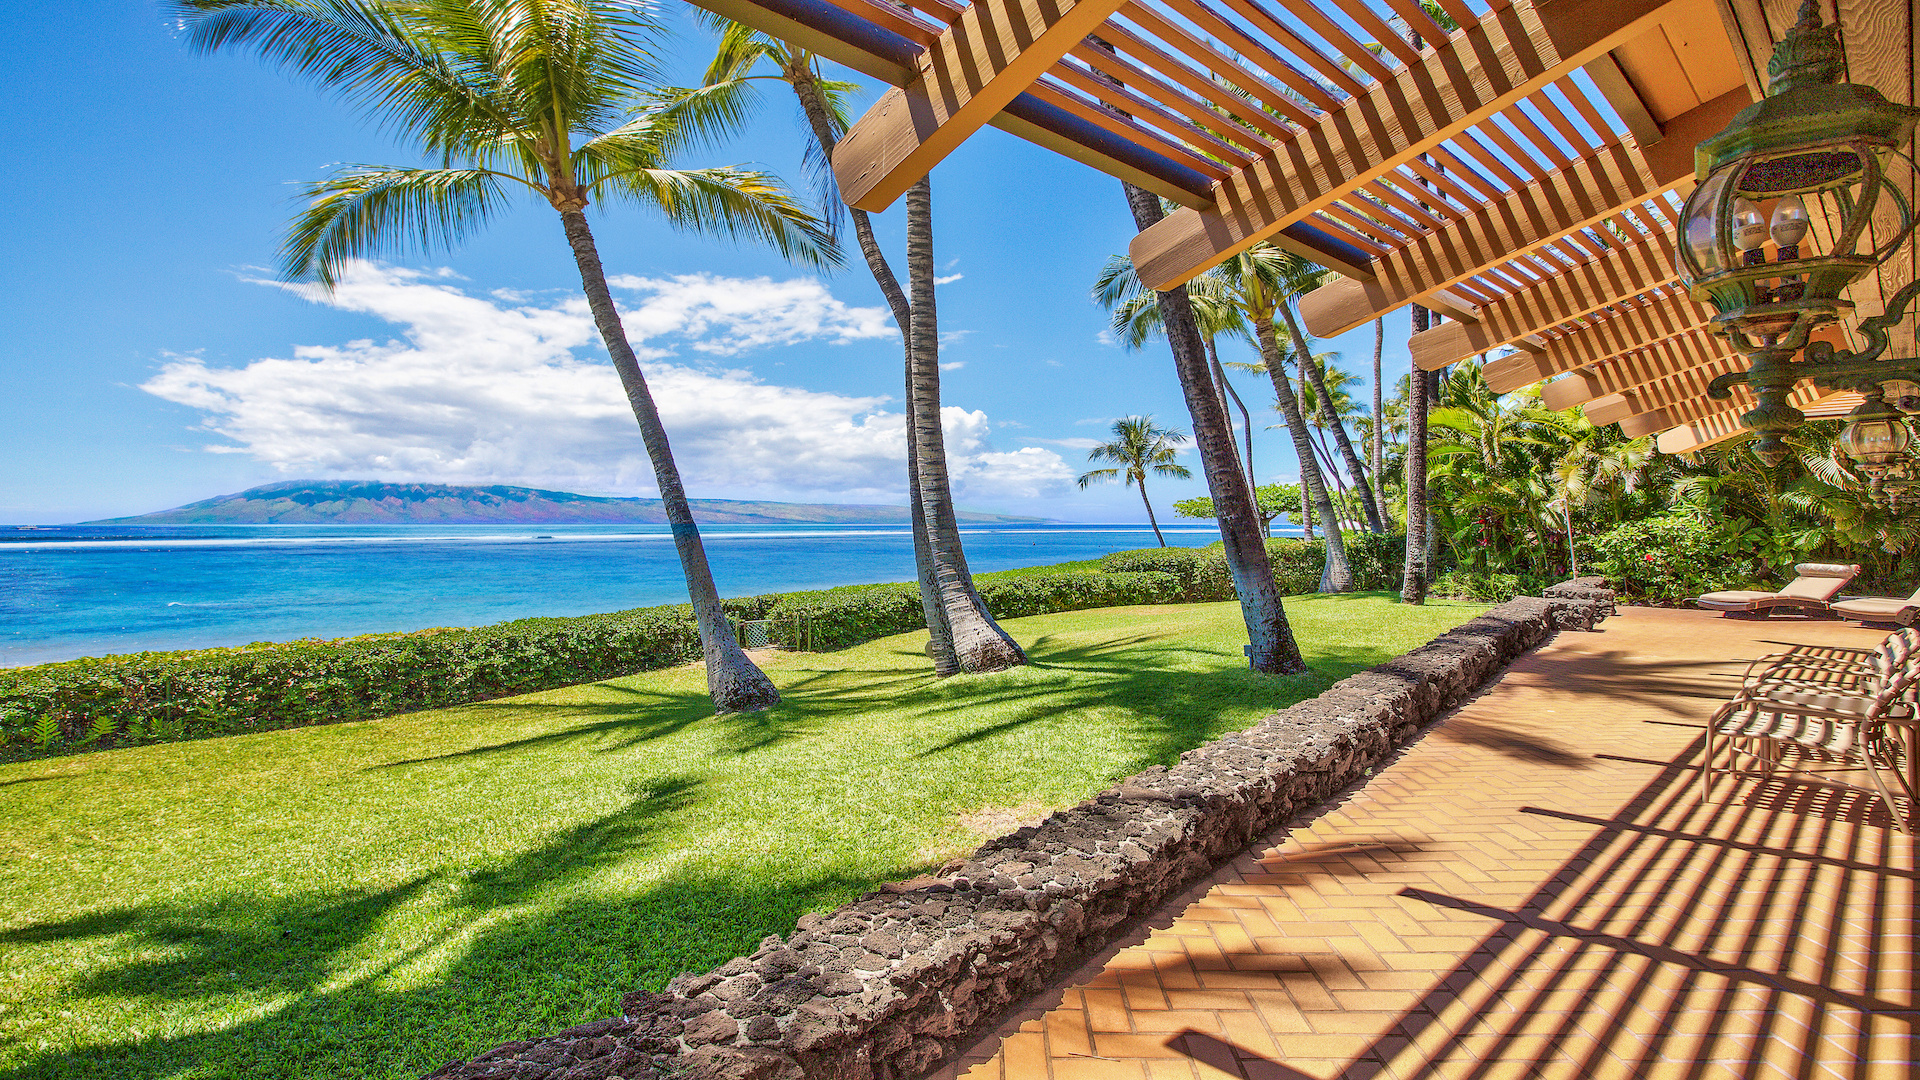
x=1414, y=590
x=1226, y=390
x=1271, y=648
x=1378, y=447
x=939, y=635
x=1306, y=509
x=1151, y=520
x=733, y=681
x=1338, y=576
x=979, y=644
x=1332, y=419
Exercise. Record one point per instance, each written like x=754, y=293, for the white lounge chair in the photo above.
x=1880, y=609
x=1815, y=585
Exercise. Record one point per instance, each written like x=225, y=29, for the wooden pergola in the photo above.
x=1520, y=174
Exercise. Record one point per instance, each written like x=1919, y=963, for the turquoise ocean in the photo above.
x=69, y=591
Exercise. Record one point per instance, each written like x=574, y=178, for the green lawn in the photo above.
x=374, y=899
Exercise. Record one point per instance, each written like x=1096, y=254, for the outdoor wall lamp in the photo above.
x=1877, y=439
x=1803, y=170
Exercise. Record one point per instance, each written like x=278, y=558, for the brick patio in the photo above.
x=1533, y=889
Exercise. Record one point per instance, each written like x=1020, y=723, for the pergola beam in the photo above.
x=1612, y=178
x=1680, y=356
x=1602, y=339
x=882, y=54
x=976, y=67
x=1693, y=412
x=1511, y=53
x=1621, y=274
x=1674, y=390
x=1655, y=361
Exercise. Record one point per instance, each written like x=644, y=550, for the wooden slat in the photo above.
x=1123, y=126
x=1329, y=66
x=1621, y=175
x=1684, y=355
x=1204, y=52
x=1472, y=76
x=1245, y=45
x=1658, y=360
x=1166, y=65
x=1603, y=339
x=991, y=54
x=1166, y=95
x=1675, y=390
x=1659, y=420
x=1576, y=291
x=1124, y=99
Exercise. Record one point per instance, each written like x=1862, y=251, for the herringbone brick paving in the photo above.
x=1535, y=889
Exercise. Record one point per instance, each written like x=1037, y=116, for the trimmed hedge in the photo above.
x=192, y=694
x=165, y=696
x=1378, y=562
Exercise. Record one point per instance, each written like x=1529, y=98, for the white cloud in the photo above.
x=1072, y=444
x=1055, y=363
x=953, y=365
x=728, y=316
x=493, y=390
x=1091, y=420
x=949, y=338
x=948, y=280
x=1105, y=337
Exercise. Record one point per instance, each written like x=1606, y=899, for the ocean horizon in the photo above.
x=71, y=591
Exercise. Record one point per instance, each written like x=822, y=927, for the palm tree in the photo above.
x=1136, y=320
x=1139, y=445
x=1259, y=283
x=1413, y=588
x=533, y=95
x=1378, y=448
x=1271, y=648
x=1301, y=277
x=979, y=643
x=724, y=99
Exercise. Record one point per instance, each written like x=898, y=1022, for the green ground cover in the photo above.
x=376, y=898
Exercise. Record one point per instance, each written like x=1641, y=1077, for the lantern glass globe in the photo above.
x=1876, y=441
x=1749, y=225
x=1789, y=221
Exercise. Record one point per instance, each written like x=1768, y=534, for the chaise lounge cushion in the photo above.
x=1881, y=608
x=1813, y=585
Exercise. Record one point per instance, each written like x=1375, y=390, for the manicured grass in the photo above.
x=374, y=899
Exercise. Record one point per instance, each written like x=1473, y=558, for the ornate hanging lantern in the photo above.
x=1779, y=226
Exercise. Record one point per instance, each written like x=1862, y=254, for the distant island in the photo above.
x=368, y=502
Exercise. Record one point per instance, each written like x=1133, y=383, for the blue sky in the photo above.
x=151, y=360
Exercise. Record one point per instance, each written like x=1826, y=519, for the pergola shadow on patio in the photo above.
x=1537, y=888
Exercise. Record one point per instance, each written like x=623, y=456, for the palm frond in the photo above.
x=733, y=203
x=366, y=52
x=362, y=210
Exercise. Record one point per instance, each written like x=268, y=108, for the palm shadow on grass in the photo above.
x=545, y=966
x=542, y=940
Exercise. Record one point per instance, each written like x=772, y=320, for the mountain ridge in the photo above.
x=374, y=502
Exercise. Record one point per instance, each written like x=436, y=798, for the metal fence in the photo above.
x=753, y=633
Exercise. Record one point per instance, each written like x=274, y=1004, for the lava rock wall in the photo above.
x=889, y=986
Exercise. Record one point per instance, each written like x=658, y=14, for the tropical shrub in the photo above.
x=1672, y=557
x=1378, y=561
x=1201, y=572
x=1482, y=585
